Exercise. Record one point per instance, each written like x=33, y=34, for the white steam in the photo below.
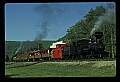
x=108, y=17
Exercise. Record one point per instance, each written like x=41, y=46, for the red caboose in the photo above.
x=57, y=52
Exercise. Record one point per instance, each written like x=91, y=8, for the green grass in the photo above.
x=61, y=69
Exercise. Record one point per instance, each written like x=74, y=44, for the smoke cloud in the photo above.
x=108, y=17
x=48, y=14
x=44, y=32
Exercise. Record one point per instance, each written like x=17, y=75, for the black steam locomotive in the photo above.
x=85, y=48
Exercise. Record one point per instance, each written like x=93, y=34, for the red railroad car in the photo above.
x=22, y=57
x=45, y=54
x=57, y=52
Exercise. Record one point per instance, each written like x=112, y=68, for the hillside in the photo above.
x=23, y=47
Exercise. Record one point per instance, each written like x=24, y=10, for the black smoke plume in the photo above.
x=43, y=33
x=48, y=13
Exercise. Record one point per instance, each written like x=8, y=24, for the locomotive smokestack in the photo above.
x=98, y=36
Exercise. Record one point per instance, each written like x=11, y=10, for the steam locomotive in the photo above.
x=84, y=48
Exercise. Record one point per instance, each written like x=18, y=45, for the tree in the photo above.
x=94, y=14
x=108, y=26
x=110, y=39
x=7, y=58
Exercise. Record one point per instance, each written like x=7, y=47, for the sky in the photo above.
x=43, y=21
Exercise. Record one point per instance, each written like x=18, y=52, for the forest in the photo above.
x=101, y=19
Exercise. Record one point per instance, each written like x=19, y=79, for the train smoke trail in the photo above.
x=44, y=32
x=108, y=17
x=19, y=48
x=48, y=14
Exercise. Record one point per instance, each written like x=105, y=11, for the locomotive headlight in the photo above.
x=90, y=41
x=48, y=51
x=30, y=55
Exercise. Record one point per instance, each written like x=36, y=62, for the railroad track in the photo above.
x=107, y=59
x=74, y=60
